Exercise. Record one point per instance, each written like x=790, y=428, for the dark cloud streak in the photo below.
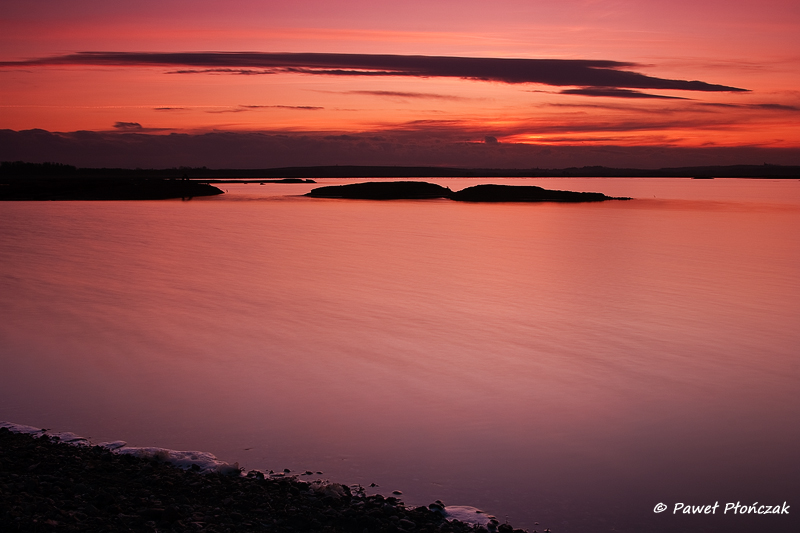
x=128, y=126
x=610, y=107
x=556, y=72
x=769, y=107
x=232, y=110
x=243, y=108
x=242, y=71
x=777, y=107
x=614, y=92
x=299, y=107
x=403, y=94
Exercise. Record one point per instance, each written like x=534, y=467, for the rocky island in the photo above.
x=415, y=190
x=525, y=193
x=383, y=190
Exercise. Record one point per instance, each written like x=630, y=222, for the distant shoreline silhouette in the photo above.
x=23, y=169
x=81, y=188
x=54, y=181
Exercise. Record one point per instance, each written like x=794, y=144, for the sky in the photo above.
x=506, y=84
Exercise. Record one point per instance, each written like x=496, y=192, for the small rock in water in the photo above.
x=398, y=492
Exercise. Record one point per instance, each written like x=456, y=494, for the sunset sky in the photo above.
x=460, y=83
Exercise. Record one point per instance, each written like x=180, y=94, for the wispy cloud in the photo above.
x=245, y=108
x=241, y=71
x=611, y=107
x=134, y=127
x=777, y=107
x=769, y=107
x=556, y=72
x=614, y=92
x=405, y=94
x=454, y=129
x=299, y=107
x=229, y=110
x=128, y=126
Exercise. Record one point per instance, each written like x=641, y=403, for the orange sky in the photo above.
x=734, y=44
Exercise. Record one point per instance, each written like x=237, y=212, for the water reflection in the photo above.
x=567, y=364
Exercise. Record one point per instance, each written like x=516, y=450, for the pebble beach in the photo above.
x=50, y=485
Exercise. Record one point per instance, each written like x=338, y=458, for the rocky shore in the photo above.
x=48, y=485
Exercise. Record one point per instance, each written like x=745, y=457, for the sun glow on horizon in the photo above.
x=592, y=73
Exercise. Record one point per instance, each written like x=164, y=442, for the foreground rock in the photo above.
x=525, y=193
x=46, y=485
x=383, y=190
x=69, y=188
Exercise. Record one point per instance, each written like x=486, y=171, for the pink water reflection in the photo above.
x=553, y=363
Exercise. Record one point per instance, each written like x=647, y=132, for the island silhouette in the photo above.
x=383, y=190
x=417, y=190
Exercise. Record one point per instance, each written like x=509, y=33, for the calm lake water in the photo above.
x=570, y=365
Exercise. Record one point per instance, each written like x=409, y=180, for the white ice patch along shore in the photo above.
x=470, y=515
x=207, y=463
